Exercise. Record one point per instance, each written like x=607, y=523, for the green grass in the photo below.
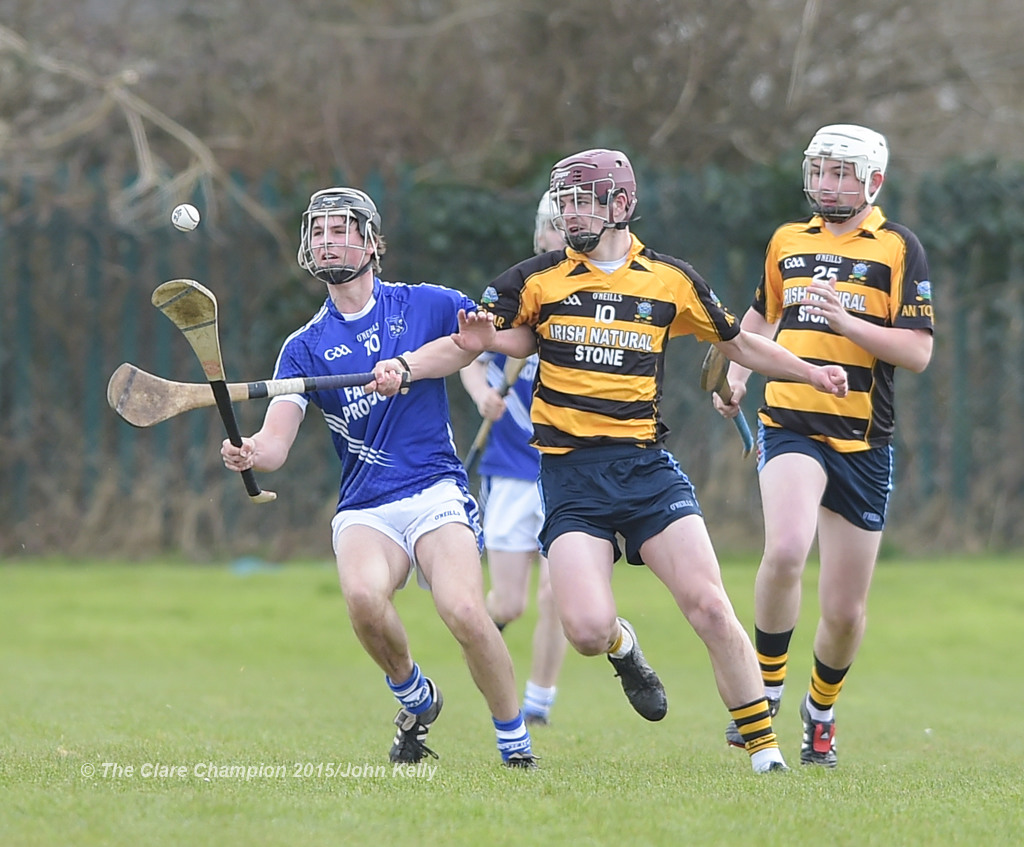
x=180, y=665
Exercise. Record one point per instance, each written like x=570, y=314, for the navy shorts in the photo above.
x=859, y=484
x=623, y=489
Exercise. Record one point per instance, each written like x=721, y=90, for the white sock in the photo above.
x=626, y=646
x=819, y=715
x=762, y=760
x=538, y=700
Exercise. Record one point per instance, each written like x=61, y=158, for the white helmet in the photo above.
x=859, y=146
x=544, y=222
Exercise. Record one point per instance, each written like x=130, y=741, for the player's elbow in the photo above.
x=920, y=355
x=271, y=452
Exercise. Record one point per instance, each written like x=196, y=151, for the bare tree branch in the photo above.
x=802, y=51
x=686, y=97
x=410, y=32
x=153, y=192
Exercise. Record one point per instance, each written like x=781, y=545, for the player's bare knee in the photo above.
x=465, y=618
x=504, y=608
x=712, y=618
x=844, y=620
x=364, y=605
x=785, y=563
x=589, y=636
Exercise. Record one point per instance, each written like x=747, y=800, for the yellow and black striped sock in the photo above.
x=826, y=683
x=772, y=655
x=755, y=725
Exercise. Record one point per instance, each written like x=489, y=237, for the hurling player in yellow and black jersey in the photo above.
x=599, y=314
x=847, y=287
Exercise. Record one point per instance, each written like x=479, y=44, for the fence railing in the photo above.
x=77, y=479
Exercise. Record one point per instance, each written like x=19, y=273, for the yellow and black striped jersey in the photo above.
x=881, y=274
x=601, y=340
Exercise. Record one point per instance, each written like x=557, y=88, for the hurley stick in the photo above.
x=144, y=399
x=193, y=309
x=713, y=377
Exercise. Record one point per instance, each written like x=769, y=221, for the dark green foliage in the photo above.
x=459, y=236
x=77, y=286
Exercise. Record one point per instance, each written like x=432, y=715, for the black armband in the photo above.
x=406, y=375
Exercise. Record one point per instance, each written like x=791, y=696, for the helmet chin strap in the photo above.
x=838, y=214
x=339, y=275
x=585, y=242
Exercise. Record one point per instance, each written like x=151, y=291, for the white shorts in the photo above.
x=513, y=514
x=407, y=520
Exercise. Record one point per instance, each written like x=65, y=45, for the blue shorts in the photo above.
x=859, y=484
x=623, y=489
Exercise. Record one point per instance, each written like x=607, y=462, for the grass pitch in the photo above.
x=167, y=704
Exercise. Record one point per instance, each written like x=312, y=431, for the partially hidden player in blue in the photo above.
x=404, y=504
x=513, y=507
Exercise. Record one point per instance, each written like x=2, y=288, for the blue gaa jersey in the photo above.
x=390, y=447
x=509, y=452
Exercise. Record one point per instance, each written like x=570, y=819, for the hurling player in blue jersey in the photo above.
x=404, y=506
x=513, y=512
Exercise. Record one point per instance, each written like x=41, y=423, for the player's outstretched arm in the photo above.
x=434, y=360
x=477, y=333
x=765, y=356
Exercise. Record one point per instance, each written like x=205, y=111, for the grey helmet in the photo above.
x=340, y=201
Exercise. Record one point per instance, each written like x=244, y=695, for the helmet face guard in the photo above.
x=544, y=227
x=856, y=147
x=583, y=188
x=346, y=203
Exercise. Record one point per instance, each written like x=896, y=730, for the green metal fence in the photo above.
x=76, y=284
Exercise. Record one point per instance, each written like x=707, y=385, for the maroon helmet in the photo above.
x=602, y=173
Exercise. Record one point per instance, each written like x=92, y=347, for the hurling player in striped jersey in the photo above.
x=599, y=314
x=404, y=508
x=846, y=286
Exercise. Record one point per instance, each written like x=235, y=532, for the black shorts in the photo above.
x=601, y=491
x=859, y=484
